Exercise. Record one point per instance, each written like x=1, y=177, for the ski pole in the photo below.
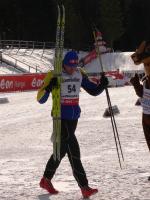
x=113, y=119
x=115, y=131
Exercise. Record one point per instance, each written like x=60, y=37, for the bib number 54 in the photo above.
x=71, y=88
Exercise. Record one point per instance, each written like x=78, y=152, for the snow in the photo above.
x=43, y=60
x=25, y=130
x=25, y=146
x=113, y=61
x=29, y=60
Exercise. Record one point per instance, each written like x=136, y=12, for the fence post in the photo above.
x=32, y=49
x=43, y=50
x=1, y=57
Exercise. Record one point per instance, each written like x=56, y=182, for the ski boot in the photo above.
x=87, y=191
x=47, y=185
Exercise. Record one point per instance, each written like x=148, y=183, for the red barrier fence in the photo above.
x=27, y=82
x=23, y=82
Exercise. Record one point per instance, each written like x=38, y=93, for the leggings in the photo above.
x=146, y=128
x=69, y=145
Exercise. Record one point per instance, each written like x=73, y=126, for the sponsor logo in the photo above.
x=36, y=82
x=6, y=84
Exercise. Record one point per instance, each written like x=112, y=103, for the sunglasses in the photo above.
x=73, y=61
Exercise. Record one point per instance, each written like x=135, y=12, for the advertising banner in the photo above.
x=21, y=82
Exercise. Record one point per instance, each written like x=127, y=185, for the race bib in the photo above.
x=145, y=101
x=70, y=88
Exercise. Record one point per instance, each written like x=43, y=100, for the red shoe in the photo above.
x=87, y=191
x=47, y=185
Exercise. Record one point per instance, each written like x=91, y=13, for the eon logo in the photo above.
x=36, y=82
x=5, y=84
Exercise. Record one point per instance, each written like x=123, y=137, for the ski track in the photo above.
x=25, y=130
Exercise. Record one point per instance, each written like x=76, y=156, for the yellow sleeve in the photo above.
x=47, y=79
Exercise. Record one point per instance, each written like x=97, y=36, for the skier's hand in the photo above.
x=53, y=83
x=104, y=80
x=81, y=63
x=135, y=80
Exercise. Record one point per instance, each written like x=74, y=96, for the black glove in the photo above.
x=135, y=81
x=53, y=83
x=137, y=86
x=104, y=80
x=81, y=63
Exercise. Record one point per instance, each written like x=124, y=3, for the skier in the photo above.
x=142, y=55
x=72, y=79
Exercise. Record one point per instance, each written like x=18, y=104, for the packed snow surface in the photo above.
x=25, y=147
x=42, y=61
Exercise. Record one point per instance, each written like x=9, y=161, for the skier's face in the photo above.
x=69, y=70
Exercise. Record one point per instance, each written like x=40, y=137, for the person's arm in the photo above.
x=92, y=88
x=137, y=86
x=44, y=91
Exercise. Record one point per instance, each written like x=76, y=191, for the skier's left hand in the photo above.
x=53, y=83
x=104, y=80
x=135, y=81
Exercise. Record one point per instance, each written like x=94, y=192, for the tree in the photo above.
x=73, y=26
x=138, y=28
x=36, y=20
x=111, y=20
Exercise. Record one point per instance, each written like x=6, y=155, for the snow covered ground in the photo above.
x=25, y=130
x=43, y=61
x=29, y=60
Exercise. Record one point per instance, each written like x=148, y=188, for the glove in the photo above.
x=104, y=80
x=81, y=63
x=137, y=86
x=135, y=80
x=53, y=83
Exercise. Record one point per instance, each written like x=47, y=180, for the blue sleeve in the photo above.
x=44, y=97
x=91, y=88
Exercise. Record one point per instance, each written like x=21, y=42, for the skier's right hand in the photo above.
x=53, y=83
x=104, y=80
x=135, y=80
